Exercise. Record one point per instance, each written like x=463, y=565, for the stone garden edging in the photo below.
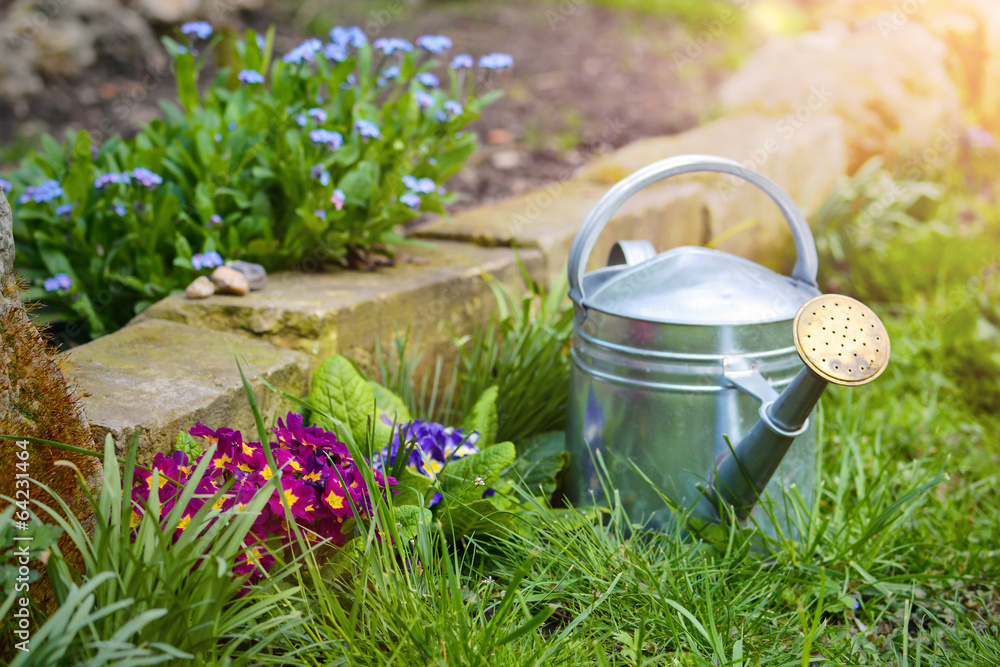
x=175, y=364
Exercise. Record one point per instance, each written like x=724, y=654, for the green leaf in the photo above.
x=339, y=389
x=484, y=418
x=187, y=444
x=409, y=518
x=413, y=488
x=360, y=182
x=541, y=460
x=469, y=476
x=389, y=404
x=187, y=81
x=486, y=515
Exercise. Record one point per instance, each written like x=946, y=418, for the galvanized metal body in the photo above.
x=675, y=353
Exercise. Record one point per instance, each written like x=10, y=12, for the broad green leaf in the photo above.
x=187, y=81
x=471, y=475
x=484, y=418
x=187, y=444
x=486, y=515
x=541, y=460
x=412, y=488
x=337, y=388
x=389, y=404
x=409, y=518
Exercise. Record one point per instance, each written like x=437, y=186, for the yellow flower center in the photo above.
x=184, y=523
x=336, y=502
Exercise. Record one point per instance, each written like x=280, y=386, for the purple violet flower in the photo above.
x=428, y=79
x=333, y=140
x=453, y=107
x=337, y=199
x=389, y=45
x=57, y=282
x=146, y=177
x=45, y=191
x=353, y=36
x=6, y=185
x=250, y=76
x=335, y=52
x=496, y=61
x=200, y=29
x=434, y=446
x=120, y=209
x=304, y=52
x=391, y=72
x=423, y=99
x=64, y=210
x=317, y=114
x=105, y=179
x=463, y=61
x=410, y=199
x=367, y=128
x=320, y=213
x=208, y=260
x=434, y=43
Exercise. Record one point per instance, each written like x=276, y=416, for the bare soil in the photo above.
x=585, y=80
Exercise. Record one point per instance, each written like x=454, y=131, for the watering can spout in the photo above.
x=841, y=341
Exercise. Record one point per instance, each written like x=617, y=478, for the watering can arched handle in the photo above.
x=806, y=262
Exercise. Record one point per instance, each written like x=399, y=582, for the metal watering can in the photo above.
x=678, y=361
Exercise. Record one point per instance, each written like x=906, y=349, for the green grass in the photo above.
x=900, y=555
x=899, y=560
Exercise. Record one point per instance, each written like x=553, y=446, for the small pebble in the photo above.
x=230, y=281
x=201, y=288
x=505, y=160
x=254, y=273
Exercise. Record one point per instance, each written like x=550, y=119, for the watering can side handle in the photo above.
x=806, y=263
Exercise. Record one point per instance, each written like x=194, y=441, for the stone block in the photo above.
x=548, y=219
x=892, y=90
x=970, y=29
x=443, y=292
x=807, y=160
x=158, y=377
